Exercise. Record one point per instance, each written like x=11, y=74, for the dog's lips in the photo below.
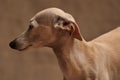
x=22, y=49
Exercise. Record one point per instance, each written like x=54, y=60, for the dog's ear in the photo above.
x=68, y=25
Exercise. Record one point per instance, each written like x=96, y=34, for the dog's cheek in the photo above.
x=33, y=38
x=41, y=36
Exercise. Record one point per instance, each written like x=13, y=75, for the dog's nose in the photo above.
x=13, y=44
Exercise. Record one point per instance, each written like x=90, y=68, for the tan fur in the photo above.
x=79, y=60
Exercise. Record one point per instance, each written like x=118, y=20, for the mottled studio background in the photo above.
x=94, y=18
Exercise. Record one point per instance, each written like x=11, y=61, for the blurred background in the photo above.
x=94, y=18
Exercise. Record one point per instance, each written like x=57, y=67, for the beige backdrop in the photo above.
x=94, y=18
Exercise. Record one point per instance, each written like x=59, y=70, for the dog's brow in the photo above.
x=30, y=21
x=34, y=23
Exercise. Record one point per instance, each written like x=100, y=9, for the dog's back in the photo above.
x=112, y=37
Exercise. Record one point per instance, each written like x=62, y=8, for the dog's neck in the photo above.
x=72, y=58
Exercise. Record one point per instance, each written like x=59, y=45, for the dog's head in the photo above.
x=47, y=28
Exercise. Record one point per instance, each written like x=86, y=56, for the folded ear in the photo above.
x=76, y=31
x=68, y=25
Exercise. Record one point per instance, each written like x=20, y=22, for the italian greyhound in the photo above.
x=98, y=59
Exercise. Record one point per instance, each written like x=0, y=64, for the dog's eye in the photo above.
x=66, y=23
x=30, y=27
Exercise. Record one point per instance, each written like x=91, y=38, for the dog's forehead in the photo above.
x=51, y=11
x=48, y=15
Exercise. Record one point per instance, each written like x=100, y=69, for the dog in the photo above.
x=98, y=59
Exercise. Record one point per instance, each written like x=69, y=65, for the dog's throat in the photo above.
x=70, y=64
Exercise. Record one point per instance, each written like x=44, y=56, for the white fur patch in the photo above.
x=35, y=23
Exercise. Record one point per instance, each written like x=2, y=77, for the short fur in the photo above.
x=78, y=59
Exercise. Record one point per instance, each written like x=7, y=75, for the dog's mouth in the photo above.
x=25, y=48
x=18, y=46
